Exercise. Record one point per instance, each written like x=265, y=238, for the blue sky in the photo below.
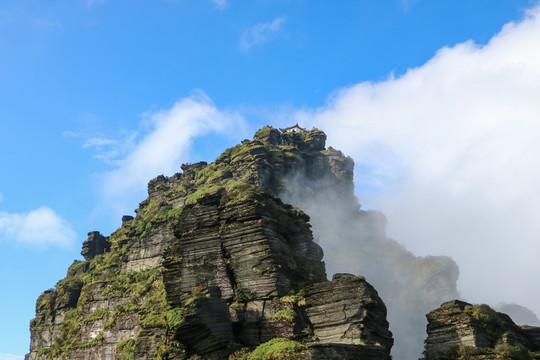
x=436, y=101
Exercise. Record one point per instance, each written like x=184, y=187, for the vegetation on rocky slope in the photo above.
x=235, y=176
x=462, y=331
x=215, y=243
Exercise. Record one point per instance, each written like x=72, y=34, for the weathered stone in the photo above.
x=457, y=326
x=346, y=351
x=95, y=244
x=213, y=263
x=126, y=218
x=348, y=310
x=268, y=134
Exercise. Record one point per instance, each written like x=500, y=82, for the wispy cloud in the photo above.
x=449, y=151
x=41, y=227
x=69, y=134
x=99, y=142
x=10, y=357
x=406, y=4
x=261, y=33
x=220, y=4
x=163, y=148
x=109, y=150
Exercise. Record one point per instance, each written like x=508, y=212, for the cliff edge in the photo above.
x=215, y=266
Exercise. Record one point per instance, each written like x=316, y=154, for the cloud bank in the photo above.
x=449, y=152
x=41, y=227
x=163, y=148
x=261, y=33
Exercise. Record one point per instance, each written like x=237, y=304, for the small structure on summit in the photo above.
x=293, y=129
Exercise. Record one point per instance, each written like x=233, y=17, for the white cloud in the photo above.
x=99, y=142
x=164, y=148
x=10, y=357
x=449, y=151
x=406, y=4
x=109, y=150
x=221, y=4
x=260, y=33
x=41, y=227
x=69, y=134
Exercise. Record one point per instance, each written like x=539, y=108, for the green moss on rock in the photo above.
x=278, y=349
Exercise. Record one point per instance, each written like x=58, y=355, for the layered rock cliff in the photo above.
x=459, y=330
x=216, y=266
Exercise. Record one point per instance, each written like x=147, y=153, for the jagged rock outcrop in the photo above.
x=348, y=310
x=216, y=266
x=461, y=330
x=96, y=244
x=355, y=241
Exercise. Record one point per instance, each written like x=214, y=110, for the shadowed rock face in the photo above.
x=457, y=329
x=96, y=244
x=215, y=264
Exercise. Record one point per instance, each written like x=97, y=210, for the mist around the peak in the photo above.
x=354, y=241
x=449, y=153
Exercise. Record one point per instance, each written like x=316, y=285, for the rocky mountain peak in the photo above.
x=461, y=330
x=216, y=266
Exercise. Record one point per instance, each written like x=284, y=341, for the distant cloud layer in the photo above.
x=41, y=227
x=163, y=148
x=261, y=33
x=450, y=153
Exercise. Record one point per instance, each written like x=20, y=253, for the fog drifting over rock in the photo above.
x=449, y=153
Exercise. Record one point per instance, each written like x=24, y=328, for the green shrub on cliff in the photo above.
x=483, y=313
x=286, y=314
x=175, y=318
x=516, y=352
x=277, y=349
x=125, y=349
x=242, y=294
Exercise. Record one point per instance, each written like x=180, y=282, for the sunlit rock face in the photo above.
x=461, y=330
x=216, y=266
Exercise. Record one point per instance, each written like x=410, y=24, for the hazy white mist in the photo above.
x=449, y=153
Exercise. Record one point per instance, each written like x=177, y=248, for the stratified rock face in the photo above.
x=215, y=264
x=477, y=332
x=96, y=244
x=348, y=310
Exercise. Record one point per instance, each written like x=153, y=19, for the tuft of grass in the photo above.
x=286, y=314
x=483, y=313
x=196, y=301
x=174, y=213
x=199, y=194
x=466, y=352
x=277, y=349
x=153, y=310
x=96, y=315
x=242, y=294
x=125, y=350
x=175, y=318
x=516, y=352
